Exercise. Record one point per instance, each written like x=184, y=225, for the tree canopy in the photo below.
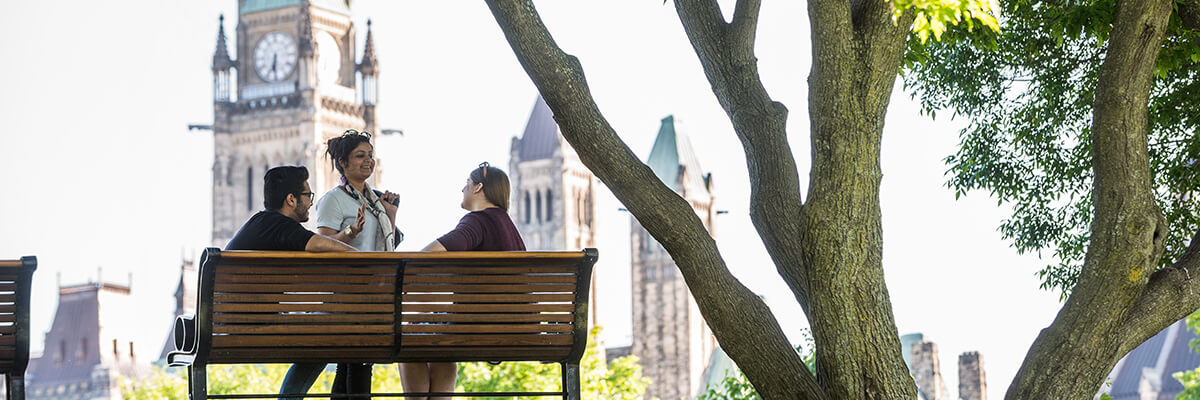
x=1027, y=92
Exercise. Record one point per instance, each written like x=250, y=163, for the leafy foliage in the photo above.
x=1028, y=93
x=937, y=16
x=620, y=379
x=738, y=387
x=1190, y=379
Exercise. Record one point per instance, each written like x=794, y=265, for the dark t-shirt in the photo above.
x=270, y=230
x=489, y=229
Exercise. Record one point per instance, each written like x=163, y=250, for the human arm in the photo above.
x=322, y=243
x=356, y=228
x=466, y=236
x=434, y=246
x=390, y=201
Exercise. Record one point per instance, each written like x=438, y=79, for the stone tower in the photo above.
x=927, y=371
x=294, y=85
x=553, y=201
x=670, y=336
x=972, y=381
x=89, y=346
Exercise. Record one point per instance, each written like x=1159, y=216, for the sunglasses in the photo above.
x=351, y=132
x=483, y=166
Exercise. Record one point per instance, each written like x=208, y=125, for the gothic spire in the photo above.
x=370, y=63
x=307, y=42
x=221, y=60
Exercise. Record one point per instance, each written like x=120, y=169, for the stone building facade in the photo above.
x=924, y=364
x=89, y=346
x=670, y=336
x=553, y=194
x=294, y=85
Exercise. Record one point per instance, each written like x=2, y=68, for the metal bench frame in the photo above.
x=16, y=276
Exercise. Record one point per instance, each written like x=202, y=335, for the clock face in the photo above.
x=275, y=56
x=329, y=58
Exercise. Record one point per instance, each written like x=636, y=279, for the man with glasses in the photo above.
x=287, y=198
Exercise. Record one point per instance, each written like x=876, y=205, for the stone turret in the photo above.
x=972, y=382
x=926, y=369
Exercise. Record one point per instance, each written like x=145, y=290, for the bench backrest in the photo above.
x=257, y=307
x=16, y=277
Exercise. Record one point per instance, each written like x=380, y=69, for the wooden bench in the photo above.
x=16, y=279
x=386, y=307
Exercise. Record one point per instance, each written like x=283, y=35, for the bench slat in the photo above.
x=355, y=308
x=489, y=298
x=8, y=287
x=292, y=297
x=8, y=298
x=301, y=340
x=8, y=308
x=485, y=340
x=350, y=270
x=489, y=279
x=301, y=318
x=479, y=308
x=421, y=318
x=8, y=340
x=10, y=318
x=487, y=328
x=433, y=288
x=293, y=354
x=8, y=329
x=482, y=270
x=280, y=288
x=225, y=278
x=274, y=329
x=514, y=353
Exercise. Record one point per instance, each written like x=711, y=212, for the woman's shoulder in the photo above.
x=335, y=197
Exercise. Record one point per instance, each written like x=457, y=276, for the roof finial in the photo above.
x=307, y=43
x=221, y=59
x=370, y=63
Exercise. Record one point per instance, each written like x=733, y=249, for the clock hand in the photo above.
x=274, y=61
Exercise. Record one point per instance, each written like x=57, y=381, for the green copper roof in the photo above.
x=263, y=5
x=673, y=150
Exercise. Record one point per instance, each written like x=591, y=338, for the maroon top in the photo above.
x=489, y=229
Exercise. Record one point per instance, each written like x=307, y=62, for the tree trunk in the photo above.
x=740, y=320
x=1070, y=359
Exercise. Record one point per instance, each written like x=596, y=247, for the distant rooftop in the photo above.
x=673, y=150
x=541, y=133
x=263, y=5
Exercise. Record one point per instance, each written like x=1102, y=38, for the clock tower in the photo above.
x=294, y=85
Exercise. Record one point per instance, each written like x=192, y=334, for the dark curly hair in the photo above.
x=338, y=148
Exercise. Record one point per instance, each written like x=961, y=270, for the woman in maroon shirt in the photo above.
x=486, y=227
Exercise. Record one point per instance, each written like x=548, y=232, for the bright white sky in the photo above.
x=100, y=171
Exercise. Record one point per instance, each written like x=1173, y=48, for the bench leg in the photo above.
x=570, y=381
x=197, y=382
x=16, y=386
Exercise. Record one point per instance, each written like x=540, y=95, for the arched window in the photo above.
x=538, y=195
x=549, y=205
x=528, y=207
x=250, y=188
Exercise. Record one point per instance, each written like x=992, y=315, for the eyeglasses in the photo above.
x=484, y=167
x=351, y=132
x=309, y=194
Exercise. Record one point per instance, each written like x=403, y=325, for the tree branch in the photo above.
x=760, y=123
x=745, y=327
x=1172, y=293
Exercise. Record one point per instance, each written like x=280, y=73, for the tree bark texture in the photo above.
x=1094, y=329
x=748, y=332
x=829, y=250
